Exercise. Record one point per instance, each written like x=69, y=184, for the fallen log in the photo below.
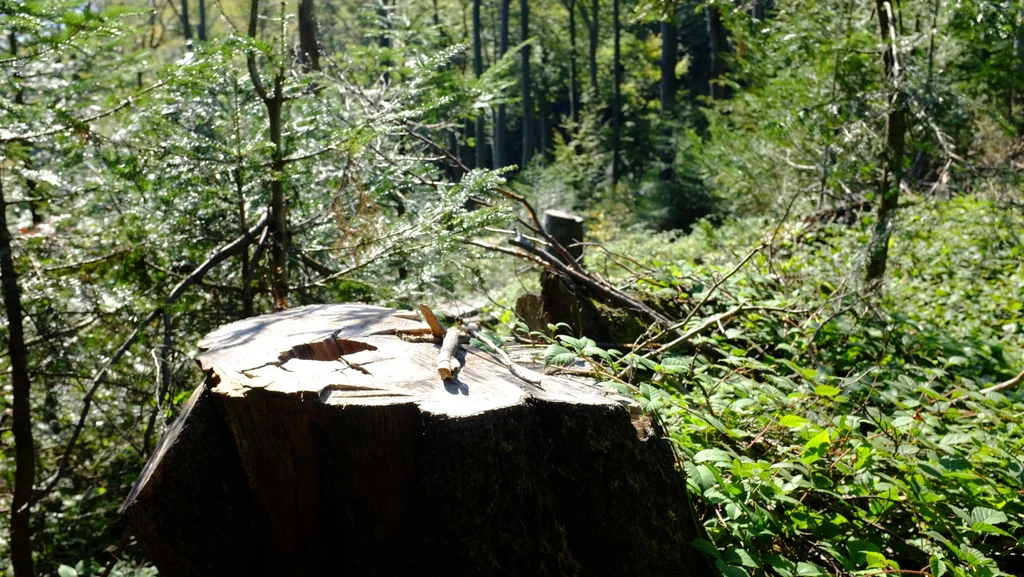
x=321, y=443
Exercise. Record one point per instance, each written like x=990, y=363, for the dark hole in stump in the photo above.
x=329, y=349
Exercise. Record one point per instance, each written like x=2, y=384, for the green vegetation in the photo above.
x=829, y=434
x=805, y=216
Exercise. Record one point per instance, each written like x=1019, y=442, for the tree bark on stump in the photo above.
x=321, y=443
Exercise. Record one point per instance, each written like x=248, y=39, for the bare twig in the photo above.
x=512, y=367
x=703, y=301
x=1005, y=384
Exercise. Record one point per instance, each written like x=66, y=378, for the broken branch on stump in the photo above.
x=436, y=328
x=447, y=364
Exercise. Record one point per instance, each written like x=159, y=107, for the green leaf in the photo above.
x=575, y=343
x=702, y=476
x=808, y=569
x=793, y=421
x=826, y=391
x=65, y=571
x=558, y=355
x=987, y=528
x=712, y=456
x=619, y=387
x=938, y=566
x=984, y=515
x=816, y=448
x=634, y=360
x=740, y=557
x=730, y=570
x=956, y=361
x=781, y=565
x=875, y=560
x=706, y=546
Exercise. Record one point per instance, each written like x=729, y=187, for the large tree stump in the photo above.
x=323, y=444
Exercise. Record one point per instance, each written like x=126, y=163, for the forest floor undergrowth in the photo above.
x=825, y=428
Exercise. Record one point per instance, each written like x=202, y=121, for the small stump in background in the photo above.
x=323, y=444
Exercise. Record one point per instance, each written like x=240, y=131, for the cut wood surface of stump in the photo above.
x=323, y=444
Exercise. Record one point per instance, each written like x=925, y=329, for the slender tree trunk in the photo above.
x=667, y=93
x=1018, y=47
x=524, y=34
x=669, y=58
x=931, y=41
x=274, y=102
x=480, y=140
x=468, y=155
x=279, y=222
x=186, y=27
x=385, y=39
x=163, y=386
x=308, y=43
x=574, y=80
x=500, y=130
x=595, y=29
x=201, y=30
x=543, y=120
x=616, y=94
x=21, y=406
x=248, y=309
x=718, y=41
x=892, y=157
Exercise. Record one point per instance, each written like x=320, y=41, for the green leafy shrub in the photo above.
x=824, y=432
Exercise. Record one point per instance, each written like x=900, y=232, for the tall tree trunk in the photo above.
x=758, y=10
x=543, y=120
x=186, y=27
x=201, y=30
x=669, y=58
x=595, y=29
x=480, y=140
x=524, y=34
x=892, y=157
x=718, y=41
x=274, y=102
x=931, y=42
x=500, y=130
x=21, y=406
x=667, y=93
x=574, y=80
x=1018, y=47
x=308, y=44
x=385, y=39
x=616, y=94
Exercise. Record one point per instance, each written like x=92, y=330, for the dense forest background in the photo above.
x=818, y=203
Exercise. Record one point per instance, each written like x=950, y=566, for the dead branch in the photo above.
x=512, y=367
x=1005, y=384
x=436, y=328
x=447, y=364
